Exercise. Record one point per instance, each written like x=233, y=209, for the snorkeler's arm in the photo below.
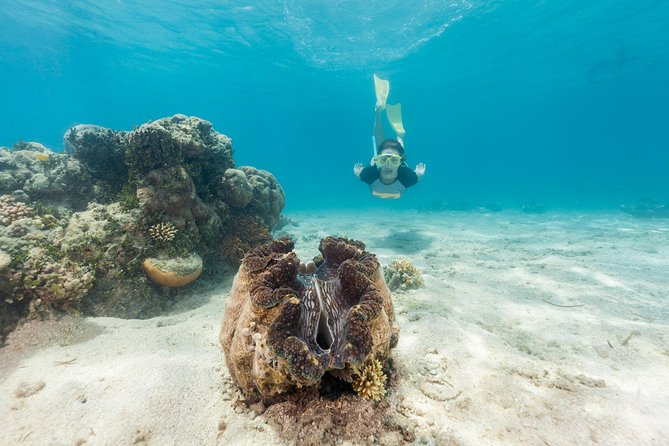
x=369, y=174
x=406, y=176
x=420, y=170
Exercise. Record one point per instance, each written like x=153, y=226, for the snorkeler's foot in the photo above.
x=381, y=88
x=394, y=114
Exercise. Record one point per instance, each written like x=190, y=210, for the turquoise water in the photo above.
x=564, y=103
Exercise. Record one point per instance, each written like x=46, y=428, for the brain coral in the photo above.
x=268, y=197
x=285, y=325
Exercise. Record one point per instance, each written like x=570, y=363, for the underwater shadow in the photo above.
x=407, y=242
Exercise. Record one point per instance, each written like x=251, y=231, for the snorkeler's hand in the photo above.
x=420, y=169
x=357, y=168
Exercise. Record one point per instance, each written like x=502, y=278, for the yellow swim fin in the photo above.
x=381, y=88
x=394, y=113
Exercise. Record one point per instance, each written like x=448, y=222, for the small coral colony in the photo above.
x=123, y=221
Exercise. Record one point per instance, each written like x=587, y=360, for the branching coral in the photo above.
x=403, y=274
x=163, y=232
x=11, y=211
x=369, y=381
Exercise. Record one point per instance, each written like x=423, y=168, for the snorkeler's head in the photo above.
x=391, y=144
x=389, y=158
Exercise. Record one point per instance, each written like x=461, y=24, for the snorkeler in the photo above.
x=388, y=175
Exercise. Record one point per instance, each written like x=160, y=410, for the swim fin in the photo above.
x=381, y=88
x=394, y=114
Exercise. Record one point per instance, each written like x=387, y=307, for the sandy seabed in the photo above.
x=547, y=329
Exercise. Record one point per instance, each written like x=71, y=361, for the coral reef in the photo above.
x=112, y=242
x=181, y=141
x=402, y=274
x=37, y=277
x=51, y=285
x=268, y=199
x=51, y=178
x=101, y=151
x=171, y=192
x=284, y=329
x=236, y=190
x=166, y=191
x=184, y=172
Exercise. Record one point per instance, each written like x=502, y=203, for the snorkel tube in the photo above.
x=374, y=150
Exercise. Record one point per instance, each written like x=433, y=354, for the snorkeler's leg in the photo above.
x=378, y=127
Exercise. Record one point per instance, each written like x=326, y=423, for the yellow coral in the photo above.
x=402, y=273
x=163, y=232
x=405, y=266
x=369, y=383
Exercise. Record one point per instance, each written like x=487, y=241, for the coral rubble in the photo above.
x=284, y=328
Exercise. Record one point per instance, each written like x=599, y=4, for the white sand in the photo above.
x=485, y=356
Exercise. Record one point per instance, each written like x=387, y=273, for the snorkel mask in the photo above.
x=388, y=160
